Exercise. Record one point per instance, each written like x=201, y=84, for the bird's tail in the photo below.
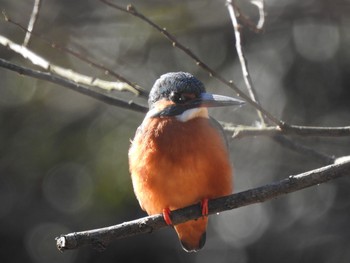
x=192, y=234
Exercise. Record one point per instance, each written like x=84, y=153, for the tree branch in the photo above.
x=281, y=125
x=132, y=11
x=243, y=61
x=107, y=71
x=261, y=22
x=279, y=136
x=32, y=21
x=240, y=131
x=235, y=13
x=315, y=131
x=66, y=73
x=99, y=94
x=303, y=149
x=258, y=27
x=103, y=236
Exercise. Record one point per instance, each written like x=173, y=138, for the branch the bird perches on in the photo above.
x=100, y=238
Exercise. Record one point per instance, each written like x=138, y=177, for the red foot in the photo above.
x=204, y=205
x=166, y=216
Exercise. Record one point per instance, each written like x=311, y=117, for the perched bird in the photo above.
x=179, y=156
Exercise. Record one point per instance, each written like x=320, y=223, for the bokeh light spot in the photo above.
x=68, y=188
x=241, y=227
x=316, y=41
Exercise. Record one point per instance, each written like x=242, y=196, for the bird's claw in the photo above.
x=204, y=206
x=166, y=216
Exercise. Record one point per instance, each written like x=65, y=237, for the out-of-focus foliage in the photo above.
x=63, y=156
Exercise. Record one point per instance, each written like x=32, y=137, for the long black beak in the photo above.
x=206, y=100
x=214, y=100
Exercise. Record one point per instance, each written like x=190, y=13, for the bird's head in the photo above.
x=183, y=96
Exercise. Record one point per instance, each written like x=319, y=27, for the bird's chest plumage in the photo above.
x=174, y=164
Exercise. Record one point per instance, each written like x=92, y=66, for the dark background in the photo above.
x=63, y=156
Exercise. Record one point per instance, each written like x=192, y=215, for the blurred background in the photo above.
x=63, y=156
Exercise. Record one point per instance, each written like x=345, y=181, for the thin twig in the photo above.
x=293, y=129
x=315, y=131
x=66, y=73
x=287, y=142
x=102, y=94
x=99, y=94
x=260, y=4
x=107, y=71
x=243, y=61
x=282, y=128
x=237, y=131
x=259, y=26
x=132, y=10
x=303, y=149
x=278, y=135
x=33, y=18
x=100, y=238
x=240, y=131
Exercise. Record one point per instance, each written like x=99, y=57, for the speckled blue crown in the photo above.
x=175, y=81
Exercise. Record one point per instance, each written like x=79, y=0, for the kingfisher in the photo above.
x=179, y=155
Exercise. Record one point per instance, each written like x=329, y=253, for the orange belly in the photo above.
x=175, y=164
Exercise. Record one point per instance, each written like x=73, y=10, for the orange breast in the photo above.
x=174, y=164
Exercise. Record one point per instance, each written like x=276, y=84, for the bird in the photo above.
x=179, y=156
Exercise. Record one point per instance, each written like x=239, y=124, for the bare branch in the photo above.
x=260, y=5
x=237, y=131
x=284, y=127
x=103, y=236
x=33, y=18
x=303, y=149
x=107, y=71
x=286, y=142
x=240, y=131
x=132, y=11
x=255, y=27
x=315, y=131
x=277, y=134
x=66, y=73
x=243, y=61
x=99, y=94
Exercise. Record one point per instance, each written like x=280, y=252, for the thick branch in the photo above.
x=103, y=236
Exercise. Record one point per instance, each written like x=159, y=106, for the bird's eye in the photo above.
x=175, y=97
x=181, y=97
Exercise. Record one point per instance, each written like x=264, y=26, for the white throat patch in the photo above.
x=192, y=113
